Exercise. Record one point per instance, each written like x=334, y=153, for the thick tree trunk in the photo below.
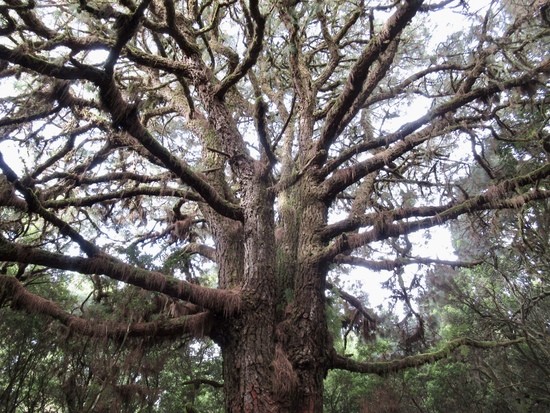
x=248, y=352
x=308, y=340
x=260, y=375
x=275, y=350
x=275, y=353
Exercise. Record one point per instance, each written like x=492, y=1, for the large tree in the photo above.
x=153, y=142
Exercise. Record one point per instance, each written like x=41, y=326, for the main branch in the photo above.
x=21, y=299
x=223, y=302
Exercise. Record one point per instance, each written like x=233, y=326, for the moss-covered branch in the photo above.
x=224, y=302
x=21, y=299
x=392, y=366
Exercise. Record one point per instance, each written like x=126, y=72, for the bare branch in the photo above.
x=125, y=116
x=252, y=53
x=390, y=265
x=354, y=84
x=354, y=301
x=122, y=194
x=198, y=382
x=403, y=139
x=384, y=227
x=200, y=249
x=125, y=32
x=34, y=204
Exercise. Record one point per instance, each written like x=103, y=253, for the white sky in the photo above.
x=439, y=244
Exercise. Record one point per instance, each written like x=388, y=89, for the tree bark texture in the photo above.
x=276, y=350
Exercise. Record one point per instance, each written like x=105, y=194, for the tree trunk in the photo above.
x=260, y=375
x=276, y=352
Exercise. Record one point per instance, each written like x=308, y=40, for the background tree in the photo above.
x=271, y=144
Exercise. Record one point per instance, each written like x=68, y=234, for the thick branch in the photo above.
x=200, y=249
x=109, y=177
x=125, y=116
x=354, y=301
x=34, y=204
x=345, y=177
x=175, y=26
x=384, y=228
x=224, y=302
x=376, y=75
x=354, y=84
x=196, y=324
x=360, y=221
x=122, y=194
x=252, y=52
x=124, y=34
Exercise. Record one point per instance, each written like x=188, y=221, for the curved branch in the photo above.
x=356, y=222
x=385, y=228
x=354, y=301
x=200, y=249
x=69, y=145
x=124, y=34
x=122, y=194
x=174, y=25
x=252, y=53
x=225, y=302
x=198, y=382
x=403, y=139
x=387, y=367
x=354, y=84
x=35, y=205
x=125, y=116
x=44, y=67
x=21, y=299
x=390, y=265
x=401, y=87
x=32, y=22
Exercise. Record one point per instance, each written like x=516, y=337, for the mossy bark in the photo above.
x=276, y=349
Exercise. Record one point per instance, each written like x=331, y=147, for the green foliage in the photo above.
x=347, y=392
x=45, y=368
x=28, y=363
